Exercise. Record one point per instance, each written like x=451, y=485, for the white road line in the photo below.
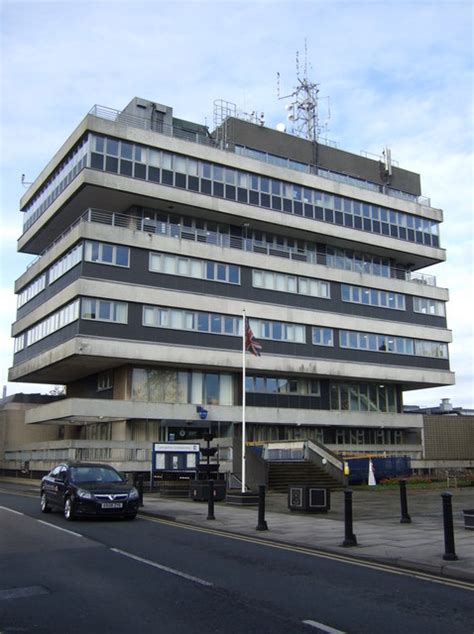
x=21, y=593
x=172, y=571
x=5, y=508
x=323, y=628
x=58, y=528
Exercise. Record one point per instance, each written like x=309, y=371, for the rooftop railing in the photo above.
x=222, y=240
x=134, y=121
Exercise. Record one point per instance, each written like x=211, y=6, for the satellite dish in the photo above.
x=281, y=127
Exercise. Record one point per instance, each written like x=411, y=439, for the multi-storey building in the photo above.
x=152, y=236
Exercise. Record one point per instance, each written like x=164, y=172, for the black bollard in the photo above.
x=349, y=537
x=262, y=524
x=405, y=518
x=449, y=551
x=140, y=490
x=210, y=500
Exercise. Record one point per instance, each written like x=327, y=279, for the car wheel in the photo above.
x=68, y=510
x=130, y=517
x=45, y=508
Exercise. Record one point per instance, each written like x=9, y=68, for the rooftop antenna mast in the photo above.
x=303, y=109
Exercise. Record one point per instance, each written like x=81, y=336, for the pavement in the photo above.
x=381, y=538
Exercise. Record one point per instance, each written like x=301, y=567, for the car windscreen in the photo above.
x=94, y=474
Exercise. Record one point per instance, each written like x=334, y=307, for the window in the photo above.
x=429, y=306
x=104, y=381
x=104, y=310
x=19, y=343
x=105, y=253
x=323, y=336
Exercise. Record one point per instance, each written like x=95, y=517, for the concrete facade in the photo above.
x=152, y=236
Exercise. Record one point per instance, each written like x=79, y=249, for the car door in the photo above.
x=59, y=485
x=49, y=485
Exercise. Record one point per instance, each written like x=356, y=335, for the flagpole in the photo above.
x=244, y=324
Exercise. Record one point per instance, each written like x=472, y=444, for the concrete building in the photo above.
x=153, y=234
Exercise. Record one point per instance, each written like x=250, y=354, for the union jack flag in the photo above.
x=250, y=342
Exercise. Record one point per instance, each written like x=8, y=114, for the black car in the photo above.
x=83, y=489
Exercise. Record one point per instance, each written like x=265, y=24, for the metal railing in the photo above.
x=83, y=451
x=222, y=240
x=133, y=121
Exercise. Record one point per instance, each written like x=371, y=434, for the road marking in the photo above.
x=323, y=628
x=5, y=508
x=59, y=528
x=314, y=552
x=20, y=593
x=172, y=571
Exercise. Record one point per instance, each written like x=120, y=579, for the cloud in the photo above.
x=394, y=75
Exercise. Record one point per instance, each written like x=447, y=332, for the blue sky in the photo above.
x=398, y=74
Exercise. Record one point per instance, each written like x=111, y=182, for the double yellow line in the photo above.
x=314, y=552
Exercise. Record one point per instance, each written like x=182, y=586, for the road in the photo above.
x=152, y=575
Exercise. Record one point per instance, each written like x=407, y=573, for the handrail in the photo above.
x=326, y=453
x=180, y=232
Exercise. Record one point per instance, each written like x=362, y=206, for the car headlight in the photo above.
x=133, y=495
x=85, y=495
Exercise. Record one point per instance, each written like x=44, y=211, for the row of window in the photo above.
x=348, y=436
x=54, y=272
x=177, y=319
x=157, y=317
x=46, y=327
x=389, y=343
x=363, y=397
x=104, y=310
x=332, y=435
x=30, y=291
x=65, y=264
x=270, y=280
x=104, y=253
x=281, y=161
x=201, y=230
x=117, y=255
x=224, y=182
x=100, y=252
x=175, y=386
x=192, y=267
x=276, y=385
x=372, y=297
x=66, y=171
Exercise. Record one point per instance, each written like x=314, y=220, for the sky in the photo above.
x=398, y=74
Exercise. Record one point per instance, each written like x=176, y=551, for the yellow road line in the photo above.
x=314, y=552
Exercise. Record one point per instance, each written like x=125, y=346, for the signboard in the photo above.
x=175, y=458
x=170, y=447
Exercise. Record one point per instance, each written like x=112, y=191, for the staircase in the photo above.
x=281, y=473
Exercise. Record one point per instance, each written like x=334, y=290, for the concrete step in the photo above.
x=283, y=473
